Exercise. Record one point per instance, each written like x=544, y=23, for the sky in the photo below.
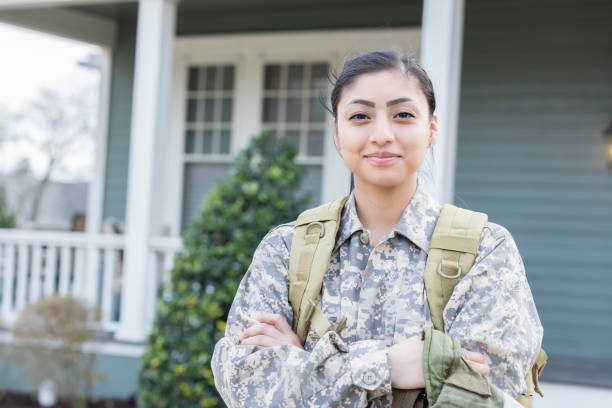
x=31, y=61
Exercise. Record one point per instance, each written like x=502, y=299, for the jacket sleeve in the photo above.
x=333, y=371
x=493, y=312
x=449, y=380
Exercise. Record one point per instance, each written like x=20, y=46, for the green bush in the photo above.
x=218, y=246
x=7, y=219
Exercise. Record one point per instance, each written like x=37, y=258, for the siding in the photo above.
x=120, y=375
x=118, y=147
x=536, y=94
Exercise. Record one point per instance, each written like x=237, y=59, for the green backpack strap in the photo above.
x=314, y=238
x=452, y=251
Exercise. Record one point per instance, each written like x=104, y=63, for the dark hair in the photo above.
x=377, y=61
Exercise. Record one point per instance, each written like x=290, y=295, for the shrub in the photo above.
x=218, y=246
x=50, y=334
x=7, y=219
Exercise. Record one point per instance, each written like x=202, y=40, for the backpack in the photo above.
x=452, y=251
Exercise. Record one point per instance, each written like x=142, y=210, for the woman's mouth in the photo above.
x=381, y=159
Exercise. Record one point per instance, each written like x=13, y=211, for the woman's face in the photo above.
x=383, y=129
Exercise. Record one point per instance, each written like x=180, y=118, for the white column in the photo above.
x=441, y=46
x=95, y=195
x=150, y=110
x=248, y=103
x=336, y=178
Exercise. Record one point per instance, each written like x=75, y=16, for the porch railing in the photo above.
x=89, y=267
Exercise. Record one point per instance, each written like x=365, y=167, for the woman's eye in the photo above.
x=404, y=115
x=359, y=116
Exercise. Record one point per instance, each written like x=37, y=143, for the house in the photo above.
x=61, y=202
x=524, y=92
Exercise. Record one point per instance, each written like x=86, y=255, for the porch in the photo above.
x=152, y=162
x=89, y=267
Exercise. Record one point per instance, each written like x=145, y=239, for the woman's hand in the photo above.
x=407, y=363
x=477, y=361
x=269, y=330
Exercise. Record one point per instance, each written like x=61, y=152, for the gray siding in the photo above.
x=120, y=375
x=536, y=94
x=118, y=142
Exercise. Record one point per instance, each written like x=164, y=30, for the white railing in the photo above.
x=34, y=264
x=161, y=261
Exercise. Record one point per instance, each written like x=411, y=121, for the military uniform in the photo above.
x=380, y=292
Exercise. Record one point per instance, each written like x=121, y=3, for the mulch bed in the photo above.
x=16, y=400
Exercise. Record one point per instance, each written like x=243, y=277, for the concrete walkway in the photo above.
x=564, y=395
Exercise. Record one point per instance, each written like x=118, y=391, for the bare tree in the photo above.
x=56, y=124
x=6, y=117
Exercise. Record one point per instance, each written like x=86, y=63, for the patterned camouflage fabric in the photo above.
x=380, y=291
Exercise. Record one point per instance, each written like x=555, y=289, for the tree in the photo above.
x=56, y=125
x=218, y=246
x=48, y=134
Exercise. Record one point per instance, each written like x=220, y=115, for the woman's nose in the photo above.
x=382, y=132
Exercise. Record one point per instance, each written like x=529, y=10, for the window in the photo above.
x=208, y=132
x=293, y=104
x=210, y=99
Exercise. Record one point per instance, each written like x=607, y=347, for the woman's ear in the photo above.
x=336, y=140
x=433, y=131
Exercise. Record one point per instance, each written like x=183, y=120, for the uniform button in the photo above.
x=365, y=237
x=369, y=378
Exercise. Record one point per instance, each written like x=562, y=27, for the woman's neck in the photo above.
x=379, y=209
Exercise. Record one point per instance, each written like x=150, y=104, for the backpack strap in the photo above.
x=452, y=251
x=314, y=237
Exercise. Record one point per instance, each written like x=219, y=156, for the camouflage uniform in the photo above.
x=381, y=293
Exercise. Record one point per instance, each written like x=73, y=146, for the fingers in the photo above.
x=275, y=320
x=261, y=329
x=259, y=340
x=480, y=368
x=474, y=356
x=477, y=361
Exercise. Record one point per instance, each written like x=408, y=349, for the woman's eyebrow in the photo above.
x=399, y=100
x=363, y=102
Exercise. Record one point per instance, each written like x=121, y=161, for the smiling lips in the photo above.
x=382, y=158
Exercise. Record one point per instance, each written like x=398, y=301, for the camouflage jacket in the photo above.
x=381, y=293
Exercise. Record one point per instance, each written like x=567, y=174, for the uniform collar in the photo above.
x=416, y=223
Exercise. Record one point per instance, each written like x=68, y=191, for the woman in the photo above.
x=383, y=107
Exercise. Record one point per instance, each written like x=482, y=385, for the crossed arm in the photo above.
x=268, y=330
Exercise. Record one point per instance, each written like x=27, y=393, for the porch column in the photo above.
x=150, y=110
x=441, y=47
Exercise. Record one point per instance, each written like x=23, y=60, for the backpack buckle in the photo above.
x=320, y=224
x=458, y=274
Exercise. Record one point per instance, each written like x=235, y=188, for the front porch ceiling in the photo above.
x=225, y=16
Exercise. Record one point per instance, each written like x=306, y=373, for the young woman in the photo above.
x=383, y=106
